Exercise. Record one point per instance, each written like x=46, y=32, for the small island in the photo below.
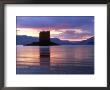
x=44, y=40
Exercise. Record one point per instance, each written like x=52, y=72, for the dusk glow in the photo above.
x=72, y=28
x=55, y=45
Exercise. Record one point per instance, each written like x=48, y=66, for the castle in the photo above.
x=44, y=36
x=44, y=40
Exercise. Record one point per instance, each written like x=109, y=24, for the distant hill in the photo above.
x=61, y=42
x=89, y=41
x=23, y=40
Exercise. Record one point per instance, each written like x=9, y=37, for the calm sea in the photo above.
x=70, y=59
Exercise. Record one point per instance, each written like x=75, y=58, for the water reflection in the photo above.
x=27, y=56
x=44, y=56
x=55, y=59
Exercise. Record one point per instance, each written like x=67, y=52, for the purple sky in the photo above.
x=71, y=28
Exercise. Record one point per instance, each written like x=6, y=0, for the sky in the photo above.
x=71, y=28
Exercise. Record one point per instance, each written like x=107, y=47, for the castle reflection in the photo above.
x=55, y=59
x=44, y=56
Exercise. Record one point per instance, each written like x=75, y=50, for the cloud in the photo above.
x=74, y=34
x=63, y=27
x=53, y=21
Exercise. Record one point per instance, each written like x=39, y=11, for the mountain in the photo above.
x=89, y=41
x=23, y=40
x=61, y=42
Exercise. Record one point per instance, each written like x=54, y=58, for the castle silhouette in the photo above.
x=44, y=36
x=44, y=40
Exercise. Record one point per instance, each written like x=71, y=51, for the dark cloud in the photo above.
x=73, y=35
x=72, y=27
x=55, y=22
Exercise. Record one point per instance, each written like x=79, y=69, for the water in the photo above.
x=73, y=59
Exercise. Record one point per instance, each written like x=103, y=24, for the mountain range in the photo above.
x=23, y=40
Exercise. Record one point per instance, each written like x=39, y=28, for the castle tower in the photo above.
x=44, y=36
